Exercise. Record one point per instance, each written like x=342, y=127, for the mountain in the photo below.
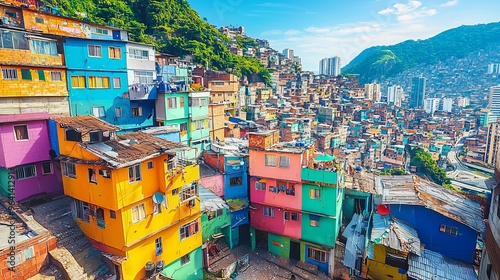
x=380, y=62
x=172, y=26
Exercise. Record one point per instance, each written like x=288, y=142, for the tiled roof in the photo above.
x=84, y=124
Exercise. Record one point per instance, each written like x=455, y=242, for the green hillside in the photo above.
x=172, y=26
x=380, y=62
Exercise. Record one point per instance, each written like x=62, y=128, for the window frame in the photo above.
x=314, y=193
x=136, y=173
x=141, y=213
x=24, y=168
x=448, y=230
x=94, y=50
x=51, y=168
x=99, y=82
x=138, y=54
x=101, y=111
x=117, y=82
x=235, y=181
x=57, y=74
x=10, y=74
x=158, y=246
x=79, y=80
x=118, y=112
x=323, y=255
x=15, y=133
x=92, y=175
x=284, y=162
x=261, y=188
x=268, y=212
x=185, y=259
x=137, y=111
x=66, y=167
x=270, y=163
x=26, y=74
x=150, y=164
x=172, y=102
x=184, y=231
x=41, y=75
x=112, y=50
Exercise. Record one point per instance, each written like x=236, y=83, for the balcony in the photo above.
x=143, y=92
x=323, y=170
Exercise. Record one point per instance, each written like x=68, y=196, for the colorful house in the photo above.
x=132, y=197
x=33, y=72
x=294, y=197
x=26, y=158
x=198, y=120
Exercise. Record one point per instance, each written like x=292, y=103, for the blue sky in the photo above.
x=325, y=28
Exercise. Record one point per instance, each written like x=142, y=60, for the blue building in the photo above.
x=99, y=81
x=447, y=222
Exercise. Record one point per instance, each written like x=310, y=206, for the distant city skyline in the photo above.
x=345, y=29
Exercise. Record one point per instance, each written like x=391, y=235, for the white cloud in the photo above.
x=272, y=32
x=386, y=11
x=406, y=8
x=417, y=14
x=359, y=29
x=292, y=32
x=313, y=29
x=450, y=3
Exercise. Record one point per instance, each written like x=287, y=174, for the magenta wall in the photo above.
x=280, y=199
x=259, y=169
x=276, y=225
x=24, y=152
x=49, y=184
x=214, y=183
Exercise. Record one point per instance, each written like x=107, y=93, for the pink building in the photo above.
x=276, y=220
x=212, y=179
x=25, y=156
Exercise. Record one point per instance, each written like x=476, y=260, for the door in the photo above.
x=294, y=250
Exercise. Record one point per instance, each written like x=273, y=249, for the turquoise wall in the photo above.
x=325, y=234
x=4, y=180
x=180, y=112
x=279, y=245
x=327, y=202
x=190, y=271
x=215, y=225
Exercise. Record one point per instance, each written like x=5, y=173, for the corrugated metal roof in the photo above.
x=432, y=265
x=395, y=234
x=209, y=201
x=413, y=190
x=355, y=232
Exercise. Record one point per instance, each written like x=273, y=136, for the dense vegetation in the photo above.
x=394, y=171
x=379, y=62
x=428, y=167
x=172, y=26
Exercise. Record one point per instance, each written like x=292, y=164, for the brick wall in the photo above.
x=21, y=105
x=42, y=244
x=34, y=86
x=26, y=57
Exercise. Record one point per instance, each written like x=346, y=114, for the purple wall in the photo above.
x=49, y=184
x=26, y=151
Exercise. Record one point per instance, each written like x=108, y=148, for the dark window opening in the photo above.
x=235, y=181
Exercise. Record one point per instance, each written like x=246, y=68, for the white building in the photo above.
x=330, y=66
x=141, y=70
x=288, y=53
x=494, y=103
x=431, y=105
x=372, y=92
x=463, y=102
x=394, y=95
x=447, y=104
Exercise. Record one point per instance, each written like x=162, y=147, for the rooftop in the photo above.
x=395, y=234
x=23, y=231
x=413, y=190
x=209, y=201
x=85, y=124
x=432, y=265
x=10, y=118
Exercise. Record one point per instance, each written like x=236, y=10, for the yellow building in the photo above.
x=132, y=197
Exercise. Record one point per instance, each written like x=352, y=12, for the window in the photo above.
x=175, y=192
x=185, y=259
x=199, y=101
x=235, y=181
x=284, y=162
x=46, y=168
x=28, y=253
x=55, y=76
x=95, y=51
x=396, y=261
x=25, y=172
x=295, y=217
x=98, y=82
x=314, y=220
x=218, y=83
x=138, y=54
x=99, y=215
x=21, y=132
x=41, y=75
x=270, y=160
x=137, y=112
x=188, y=192
x=134, y=173
x=92, y=176
x=317, y=255
x=143, y=77
x=260, y=186
x=9, y=74
x=189, y=230
x=13, y=40
x=199, y=124
x=68, y=169
x=112, y=214
x=77, y=81
x=138, y=213
x=158, y=246
x=118, y=112
x=286, y=215
x=268, y=211
x=448, y=230
x=43, y=47
x=26, y=74
x=156, y=208
x=150, y=164
x=80, y=210
x=101, y=31
x=314, y=193
x=115, y=52
x=183, y=127
x=99, y=112
x=214, y=214
x=38, y=20
x=172, y=102
x=117, y=83
x=181, y=102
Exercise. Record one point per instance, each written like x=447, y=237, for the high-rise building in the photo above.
x=492, y=143
x=493, y=68
x=447, y=104
x=463, y=102
x=372, y=92
x=494, y=103
x=417, y=94
x=431, y=105
x=394, y=95
x=330, y=66
x=288, y=53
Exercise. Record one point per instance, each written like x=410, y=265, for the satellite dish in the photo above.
x=158, y=197
x=383, y=209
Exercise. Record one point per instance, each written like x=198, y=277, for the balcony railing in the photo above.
x=142, y=92
x=325, y=176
